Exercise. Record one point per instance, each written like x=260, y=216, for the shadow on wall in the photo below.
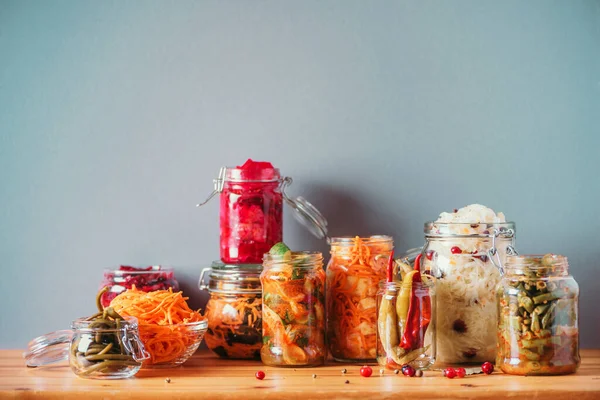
x=348, y=213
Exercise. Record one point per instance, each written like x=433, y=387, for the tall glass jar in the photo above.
x=234, y=310
x=458, y=255
x=251, y=218
x=406, y=322
x=538, y=331
x=293, y=290
x=356, y=267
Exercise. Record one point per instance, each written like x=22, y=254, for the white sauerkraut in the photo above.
x=466, y=301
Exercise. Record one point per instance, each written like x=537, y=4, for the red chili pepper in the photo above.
x=416, y=324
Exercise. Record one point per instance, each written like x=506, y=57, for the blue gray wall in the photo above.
x=115, y=117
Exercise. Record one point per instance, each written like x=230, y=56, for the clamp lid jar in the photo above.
x=234, y=310
x=251, y=217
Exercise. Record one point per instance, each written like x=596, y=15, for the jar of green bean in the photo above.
x=99, y=347
x=538, y=330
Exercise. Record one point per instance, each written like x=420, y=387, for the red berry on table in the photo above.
x=366, y=371
x=461, y=372
x=450, y=373
x=260, y=375
x=407, y=370
x=455, y=250
x=487, y=367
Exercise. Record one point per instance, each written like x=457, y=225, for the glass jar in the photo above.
x=147, y=279
x=234, y=310
x=356, y=267
x=293, y=313
x=538, y=331
x=406, y=323
x=94, y=350
x=251, y=219
x=458, y=256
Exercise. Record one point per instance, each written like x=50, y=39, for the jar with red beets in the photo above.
x=251, y=211
x=147, y=279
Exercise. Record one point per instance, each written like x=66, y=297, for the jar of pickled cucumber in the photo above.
x=406, y=322
x=356, y=267
x=538, y=332
x=234, y=310
x=293, y=312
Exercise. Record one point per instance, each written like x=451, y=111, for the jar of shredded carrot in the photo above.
x=356, y=267
x=293, y=310
x=234, y=310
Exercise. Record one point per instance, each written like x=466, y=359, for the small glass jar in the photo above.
x=93, y=350
x=251, y=219
x=356, y=267
x=293, y=313
x=538, y=331
x=458, y=256
x=406, y=323
x=146, y=279
x=234, y=310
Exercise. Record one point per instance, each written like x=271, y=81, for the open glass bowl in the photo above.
x=171, y=345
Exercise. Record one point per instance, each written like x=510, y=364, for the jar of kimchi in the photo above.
x=234, y=309
x=538, y=331
x=293, y=291
x=356, y=267
x=251, y=219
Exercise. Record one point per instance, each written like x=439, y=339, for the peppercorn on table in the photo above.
x=207, y=377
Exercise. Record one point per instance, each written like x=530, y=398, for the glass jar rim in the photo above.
x=266, y=175
x=449, y=229
x=155, y=269
x=349, y=240
x=533, y=262
x=428, y=284
x=298, y=258
x=83, y=325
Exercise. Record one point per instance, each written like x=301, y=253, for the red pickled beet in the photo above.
x=487, y=367
x=455, y=250
x=260, y=375
x=407, y=370
x=461, y=372
x=366, y=371
x=450, y=373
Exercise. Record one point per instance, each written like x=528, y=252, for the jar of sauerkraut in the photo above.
x=251, y=216
x=457, y=253
x=356, y=267
x=293, y=310
x=234, y=310
x=538, y=331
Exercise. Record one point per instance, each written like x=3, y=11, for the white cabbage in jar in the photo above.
x=466, y=301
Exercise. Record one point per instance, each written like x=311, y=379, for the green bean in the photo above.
x=554, y=295
x=536, y=343
x=549, y=317
x=118, y=335
x=532, y=356
x=106, y=349
x=526, y=303
x=113, y=314
x=92, y=350
x=105, y=364
x=98, y=337
x=91, y=317
x=99, y=322
x=535, y=322
x=541, y=309
x=97, y=357
x=99, y=298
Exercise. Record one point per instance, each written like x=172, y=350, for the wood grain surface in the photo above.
x=206, y=377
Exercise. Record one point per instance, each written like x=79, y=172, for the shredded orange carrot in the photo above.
x=353, y=275
x=162, y=317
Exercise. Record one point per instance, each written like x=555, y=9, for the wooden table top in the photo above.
x=206, y=377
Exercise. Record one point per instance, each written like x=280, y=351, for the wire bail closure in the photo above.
x=510, y=249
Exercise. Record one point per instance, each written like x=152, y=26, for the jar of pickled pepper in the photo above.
x=538, y=331
x=251, y=219
x=234, y=310
x=293, y=287
x=356, y=267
